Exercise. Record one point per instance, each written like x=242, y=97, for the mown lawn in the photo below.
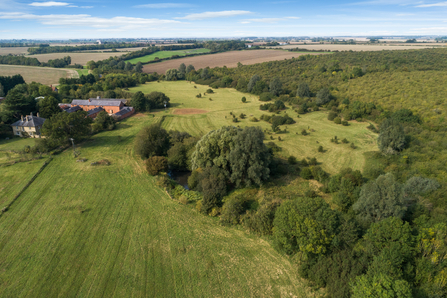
x=226, y=100
x=166, y=54
x=108, y=231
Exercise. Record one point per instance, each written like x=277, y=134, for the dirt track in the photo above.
x=228, y=59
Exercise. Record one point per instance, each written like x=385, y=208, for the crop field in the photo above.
x=108, y=231
x=361, y=47
x=166, y=54
x=226, y=100
x=79, y=58
x=229, y=59
x=43, y=75
x=13, y=50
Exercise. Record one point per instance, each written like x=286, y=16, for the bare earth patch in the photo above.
x=188, y=111
x=228, y=59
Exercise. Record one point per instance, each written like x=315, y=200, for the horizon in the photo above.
x=61, y=20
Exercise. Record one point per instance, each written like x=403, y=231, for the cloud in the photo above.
x=433, y=4
x=49, y=4
x=215, y=14
x=268, y=20
x=386, y=2
x=86, y=20
x=164, y=5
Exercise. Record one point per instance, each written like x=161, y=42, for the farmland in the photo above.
x=224, y=101
x=43, y=75
x=108, y=231
x=229, y=59
x=77, y=58
x=167, y=54
x=360, y=47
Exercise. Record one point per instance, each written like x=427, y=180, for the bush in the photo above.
x=235, y=120
x=313, y=161
x=337, y=120
x=345, y=141
x=261, y=221
x=209, y=91
x=265, y=96
x=320, y=149
x=306, y=173
x=244, y=100
x=231, y=211
x=253, y=119
x=152, y=141
x=304, y=132
x=292, y=160
x=344, y=123
x=242, y=116
x=199, y=95
x=156, y=164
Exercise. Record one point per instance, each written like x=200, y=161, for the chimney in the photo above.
x=37, y=114
x=89, y=100
x=98, y=97
x=21, y=118
x=31, y=114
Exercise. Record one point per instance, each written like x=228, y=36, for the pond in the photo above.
x=180, y=177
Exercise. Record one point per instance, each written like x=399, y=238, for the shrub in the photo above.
x=345, y=141
x=209, y=91
x=306, y=173
x=253, y=119
x=337, y=120
x=152, y=141
x=231, y=211
x=244, y=100
x=265, y=96
x=199, y=95
x=242, y=116
x=353, y=146
x=313, y=161
x=156, y=164
x=235, y=120
x=304, y=132
x=320, y=149
x=261, y=221
x=292, y=160
x=304, y=163
x=344, y=123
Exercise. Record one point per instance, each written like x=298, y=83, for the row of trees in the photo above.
x=67, y=49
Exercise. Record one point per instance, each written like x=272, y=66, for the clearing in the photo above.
x=228, y=59
x=109, y=231
x=166, y=54
x=43, y=75
x=226, y=100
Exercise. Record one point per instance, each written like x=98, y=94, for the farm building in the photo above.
x=114, y=107
x=30, y=125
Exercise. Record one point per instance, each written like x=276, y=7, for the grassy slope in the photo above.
x=227, y=100
x=166, y=54
x=82, y=72
x=131, y=240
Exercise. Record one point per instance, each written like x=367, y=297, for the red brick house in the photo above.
x=111, y=106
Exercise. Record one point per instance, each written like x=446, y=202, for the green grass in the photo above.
x=9, y=149
x=109, y=231
x=82, y=72
x=166, y=54
x=224, y=101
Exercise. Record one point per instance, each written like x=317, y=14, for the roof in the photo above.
x=123, y=111
x=29, y=121
x=73, y=109
x=98, y=102
x=94, y=111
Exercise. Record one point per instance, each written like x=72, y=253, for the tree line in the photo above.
x=67, y=49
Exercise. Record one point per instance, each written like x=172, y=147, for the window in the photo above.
x=18, y=133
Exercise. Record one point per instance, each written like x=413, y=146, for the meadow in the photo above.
x=216, y=113
x=228, y=59
x=167, y=54
x=108, y=231
x=43, y=75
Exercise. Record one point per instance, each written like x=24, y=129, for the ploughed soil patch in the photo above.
x=188, y=111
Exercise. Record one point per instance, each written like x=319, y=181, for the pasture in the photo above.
x=166, y=54
x=215, y=113
x=229, y=59
x=109, y=231
x=43, y=75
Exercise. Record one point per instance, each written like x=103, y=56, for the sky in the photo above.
x=230, y=18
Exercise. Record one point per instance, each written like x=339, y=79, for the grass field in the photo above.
x=43, y=75
x=224, y=101
x=167, y=54
x=229, y=59
x=108, y=231
x=82, y=72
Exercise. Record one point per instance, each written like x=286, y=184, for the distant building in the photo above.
x=29, y=124
x=114, y=107
x=1, y=99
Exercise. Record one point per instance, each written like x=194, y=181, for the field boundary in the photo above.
x=6, y=208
